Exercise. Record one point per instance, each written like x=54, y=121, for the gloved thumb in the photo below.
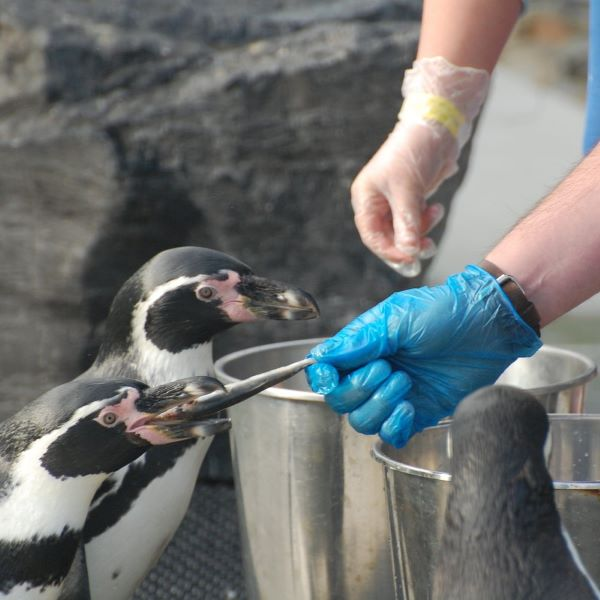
x=322, y=378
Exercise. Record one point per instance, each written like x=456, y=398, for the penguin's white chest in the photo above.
x=120, y=557
x=24, y=592
x=161, y=366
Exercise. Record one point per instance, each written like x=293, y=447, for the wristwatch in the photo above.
x=510, y=286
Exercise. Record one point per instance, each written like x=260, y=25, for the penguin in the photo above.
x=160, y=328
x=502, y=537
x=56, y=452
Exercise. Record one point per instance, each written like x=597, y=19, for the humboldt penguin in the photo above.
x=57, y=451
x=160, y=327
x=503, y=538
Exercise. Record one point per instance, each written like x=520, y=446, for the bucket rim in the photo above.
x=388, y=463
x=281, y=393
x=589, y=372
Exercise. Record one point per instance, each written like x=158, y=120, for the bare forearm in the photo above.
x=554, y=252
x=467, y=33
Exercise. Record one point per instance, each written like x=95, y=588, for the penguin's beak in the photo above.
x=195, y=411
x=189, y=408
x=160, y=398
x=171, y=399
x=268, y=299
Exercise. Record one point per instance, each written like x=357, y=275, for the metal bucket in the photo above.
x=418, y=484
x=311, y=501
x=555, y=376
x=310, y=498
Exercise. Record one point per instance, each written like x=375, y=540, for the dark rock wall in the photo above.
x=130, y=127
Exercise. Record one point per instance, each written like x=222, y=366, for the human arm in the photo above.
x=467, y=33
x=438, y=344
x=388, y=195
x=554, y=251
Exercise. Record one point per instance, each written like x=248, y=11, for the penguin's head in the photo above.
x=502, y=535
x=184, y=296
x=499, y=433
x=89, y=427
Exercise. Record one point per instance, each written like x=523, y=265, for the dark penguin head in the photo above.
x=502, y=533
x=165, y=316
x=98, y=426
x=55, y=453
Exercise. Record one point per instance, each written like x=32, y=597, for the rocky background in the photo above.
x=130, y=127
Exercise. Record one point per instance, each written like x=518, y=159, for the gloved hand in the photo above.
x=388, y=195
x=406, y=363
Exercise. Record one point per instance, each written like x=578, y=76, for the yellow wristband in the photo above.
x=433, y=108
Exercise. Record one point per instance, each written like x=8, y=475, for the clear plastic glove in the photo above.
x=406, y=363
x=388, y=195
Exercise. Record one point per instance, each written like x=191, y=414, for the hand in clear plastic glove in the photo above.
x=406, y=363
x=389, y=194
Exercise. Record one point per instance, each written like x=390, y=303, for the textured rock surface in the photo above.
x=127, y=128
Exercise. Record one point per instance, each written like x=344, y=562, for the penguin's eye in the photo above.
x=206, y=292
x=109, y=419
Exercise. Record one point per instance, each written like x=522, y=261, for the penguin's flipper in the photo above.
x=76, y=585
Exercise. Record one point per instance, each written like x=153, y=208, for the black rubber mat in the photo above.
x=203, y=562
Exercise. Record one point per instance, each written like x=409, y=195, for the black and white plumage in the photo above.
x=54, y=455
x=160, y=328
x=503, y=538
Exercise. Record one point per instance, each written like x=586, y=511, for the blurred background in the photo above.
x=131, y=126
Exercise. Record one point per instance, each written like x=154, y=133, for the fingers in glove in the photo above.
x=413, y=268
x=406, y=218
x=398, y=427
x=369, y=416
x=406, y=269
x=374, y=223
x=410, y=245
x=431, y=216
x=420, y=248
x=358, y=386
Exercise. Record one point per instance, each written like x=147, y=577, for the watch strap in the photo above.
x=510, y=286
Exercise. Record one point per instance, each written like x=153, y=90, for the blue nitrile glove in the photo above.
x=406, y=363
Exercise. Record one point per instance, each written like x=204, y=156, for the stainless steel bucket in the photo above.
x=311, y=500
x=557, y=377
x=418, y=484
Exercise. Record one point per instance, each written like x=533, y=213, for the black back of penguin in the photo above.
x=503, y=538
